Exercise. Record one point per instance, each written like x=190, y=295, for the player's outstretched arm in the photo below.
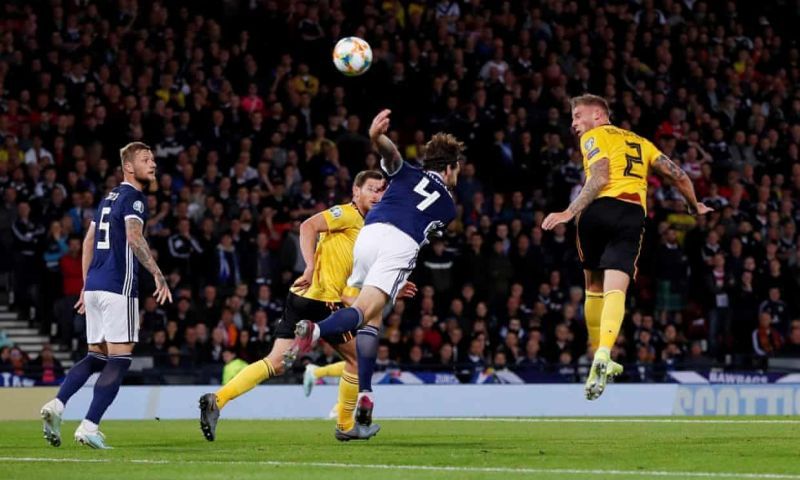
x=309, y=231
x=134, y=230
x=597, y=180
x=388, y=150
x=86, y=261
x=667, y=169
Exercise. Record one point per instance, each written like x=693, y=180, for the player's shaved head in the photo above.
x=129, y=151
x=138, y=163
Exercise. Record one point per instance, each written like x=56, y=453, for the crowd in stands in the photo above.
x=254, y=130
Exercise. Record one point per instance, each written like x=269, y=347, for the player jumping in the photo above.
x=611, y=212
x=109, y=297
x=321, y=289
x=417, y=202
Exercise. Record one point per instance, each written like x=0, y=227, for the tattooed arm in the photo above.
x=134, y=232
x=597, y=180
x=675, y=174
x=392, y=161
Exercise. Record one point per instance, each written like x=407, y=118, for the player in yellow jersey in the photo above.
x=610, y=213
x=326, y=242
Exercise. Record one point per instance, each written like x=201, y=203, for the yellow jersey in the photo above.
x=333, y=257
x=629, y=156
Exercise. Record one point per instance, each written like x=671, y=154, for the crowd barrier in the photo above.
x=410, y=401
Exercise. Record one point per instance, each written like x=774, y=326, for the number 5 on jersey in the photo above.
x=430, y=197
x=104, y=226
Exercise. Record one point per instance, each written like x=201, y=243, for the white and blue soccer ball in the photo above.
x=352, y=56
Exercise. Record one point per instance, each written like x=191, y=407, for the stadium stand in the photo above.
x=254, y=130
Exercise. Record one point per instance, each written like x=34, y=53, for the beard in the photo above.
x=144, y=180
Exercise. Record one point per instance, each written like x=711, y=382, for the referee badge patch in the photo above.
x=336, y=212
x=138, y=206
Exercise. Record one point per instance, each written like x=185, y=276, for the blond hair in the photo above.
x=129, y=151
x=590, y=100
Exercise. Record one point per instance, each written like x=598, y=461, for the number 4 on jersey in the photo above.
x=430, y=197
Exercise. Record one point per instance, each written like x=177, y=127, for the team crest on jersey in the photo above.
x=138, y=206
x=588, y=144
x=336, y=212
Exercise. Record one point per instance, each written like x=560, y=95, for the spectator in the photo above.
x=17, y=362
x=228, y=271
x=792, y=346
x=476, y=360
x=776, y=309
x=46, y=369
x=437, y=266
x=228, y=328
x=27, y=238
x=671, y=270
x=184, y=249
x=719, y=284
x=233, y=365
x=532, y=359
x=767, y=341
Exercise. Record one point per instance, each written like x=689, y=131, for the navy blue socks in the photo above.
x=367, y=350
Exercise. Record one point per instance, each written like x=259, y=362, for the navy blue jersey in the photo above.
x=417, y=202
x=114, y=268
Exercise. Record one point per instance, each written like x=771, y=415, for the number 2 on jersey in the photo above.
x=430, y=197
x=104, y=227
x=633, y=159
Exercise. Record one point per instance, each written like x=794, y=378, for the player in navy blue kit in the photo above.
x=417, y=202
x=113, y=243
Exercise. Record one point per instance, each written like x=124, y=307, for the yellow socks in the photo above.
x=245, y=380
x=611, y=318
x=332, y=370
x=593, y=311
x=348, y=395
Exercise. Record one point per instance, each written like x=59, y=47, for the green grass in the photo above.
x=548, y=450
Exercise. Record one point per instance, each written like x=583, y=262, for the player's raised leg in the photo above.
x=315, y=372
x=615, y=284
x=308, y=333
x=244, y=381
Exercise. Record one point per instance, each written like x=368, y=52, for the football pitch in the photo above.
x=426, y=449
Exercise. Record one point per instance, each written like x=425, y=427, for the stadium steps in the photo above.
x=28, y=339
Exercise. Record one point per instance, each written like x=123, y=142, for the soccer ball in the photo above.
x=352, y=56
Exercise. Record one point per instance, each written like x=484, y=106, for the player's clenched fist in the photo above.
x=380, y=124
